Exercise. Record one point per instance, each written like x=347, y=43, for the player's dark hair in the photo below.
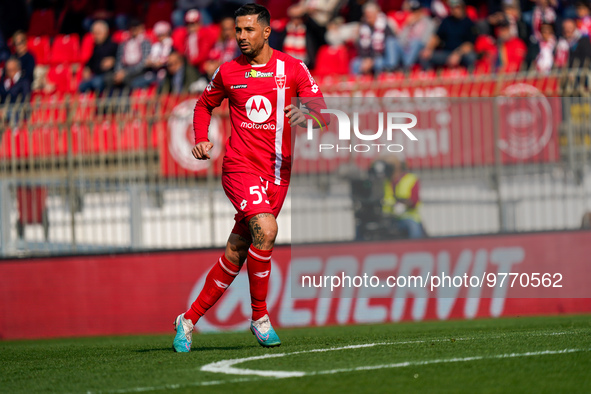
x=264, y=17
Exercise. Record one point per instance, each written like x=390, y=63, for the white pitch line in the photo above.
x=397, y=365
x=357, y=369
x=226, y=366
x=446, y=360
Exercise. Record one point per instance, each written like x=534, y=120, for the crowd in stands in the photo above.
x=110, y=46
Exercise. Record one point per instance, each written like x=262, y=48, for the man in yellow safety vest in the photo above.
x=401, y=199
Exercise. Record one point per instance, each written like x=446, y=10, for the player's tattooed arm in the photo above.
x=256, y=230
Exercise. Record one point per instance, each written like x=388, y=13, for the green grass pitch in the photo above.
x=543, y=354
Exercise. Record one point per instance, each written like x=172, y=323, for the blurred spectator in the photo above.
x=131, y=59
x=376, y=45
x=183, y=6
x=512, y=14
x=584, y=18
x=543, y=13
x=294, y=41
x=180, y=76
x=159, y=53
x=401, y=199
x=545, y=49
x=321, y=12
x=102, y=62
x=19, y=40
x=198, y=44
x=453, y=43
x=14, y=87
x=416, y=32
x=304, y=33
x=573, y=49
x=225, y=48
x=338, y=32
x=511, y=49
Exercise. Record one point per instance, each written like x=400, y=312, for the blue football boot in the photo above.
x=184, y=334
x=263, y=330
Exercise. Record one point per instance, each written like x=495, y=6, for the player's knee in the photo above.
x=270, y=234
x=263, y=229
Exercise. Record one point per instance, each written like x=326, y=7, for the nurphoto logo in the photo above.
x=391, y=119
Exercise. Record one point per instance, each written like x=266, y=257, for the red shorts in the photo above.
x=250, y=194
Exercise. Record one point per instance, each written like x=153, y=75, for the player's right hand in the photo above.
x=200, y=151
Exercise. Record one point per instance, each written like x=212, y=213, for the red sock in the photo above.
x=259, y=270
x=217, y=281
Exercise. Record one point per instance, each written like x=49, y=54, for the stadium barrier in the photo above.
x=143, y=292
x=80, y=173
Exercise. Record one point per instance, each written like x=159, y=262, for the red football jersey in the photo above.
x=261, y=140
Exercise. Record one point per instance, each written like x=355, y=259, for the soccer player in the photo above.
x=259, y=85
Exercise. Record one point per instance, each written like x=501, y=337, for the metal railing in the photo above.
x=81, y=174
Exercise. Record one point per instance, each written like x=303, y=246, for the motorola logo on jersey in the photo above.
x=258, y=109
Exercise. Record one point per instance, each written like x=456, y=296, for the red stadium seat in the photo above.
x=105, y=137
x=332, y=60
x=120, y=35
x=6, y=144
x=422, y=75
x=49, y=108
x=279, y=25
x=40, y=48
x=454, y=73
x=158, y=11
x=21, y=142
x=42, y=23
x=81, y=139
x=86, y=48
x=46, y=142
x=140, y=98
x=85, y=106
x=486, y=48
x=390, y=5
x=134, y=136
x=472, y=13
x=63, y=77
x=391, y=76
x=278, y=9
x=65, y=49
x=399, y=17
x=179, y=36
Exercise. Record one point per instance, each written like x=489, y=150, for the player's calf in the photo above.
x=217, y=281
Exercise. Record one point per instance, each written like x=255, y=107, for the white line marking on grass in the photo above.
x=259, y=375
x=445, y=360
x=226, y=366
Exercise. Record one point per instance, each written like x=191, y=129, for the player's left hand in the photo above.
x=295, y=115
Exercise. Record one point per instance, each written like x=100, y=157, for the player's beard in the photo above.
x=251, y=51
